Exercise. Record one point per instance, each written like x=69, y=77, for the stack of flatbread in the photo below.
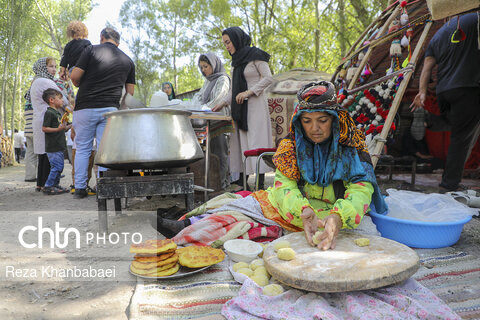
x=155, y=258
x=160, y=258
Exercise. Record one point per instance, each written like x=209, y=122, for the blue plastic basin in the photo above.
x=419, y=234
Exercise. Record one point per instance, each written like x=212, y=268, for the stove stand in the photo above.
x=124, y=186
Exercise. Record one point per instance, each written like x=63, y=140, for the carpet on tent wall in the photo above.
x=454, y=276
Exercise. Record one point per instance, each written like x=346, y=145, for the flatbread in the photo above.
x=155, y=255
x=199, y=256
x=156, y=272
x=153, y=247
x=141, y=270
x=165, y=273
x=157, y=264
x=145, y=258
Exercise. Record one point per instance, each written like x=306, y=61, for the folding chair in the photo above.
x=260, y=153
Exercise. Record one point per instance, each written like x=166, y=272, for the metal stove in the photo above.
x=118, y=184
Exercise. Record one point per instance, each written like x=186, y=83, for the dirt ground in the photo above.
x=31, y=289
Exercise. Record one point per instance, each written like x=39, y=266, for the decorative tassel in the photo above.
x=404, y=42
x=404, y=19
x=395, y=48
x=409, y=32
x=351, y=72
x=367, y=70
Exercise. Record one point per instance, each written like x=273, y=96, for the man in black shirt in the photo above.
x=100, y=73
x=458, y=91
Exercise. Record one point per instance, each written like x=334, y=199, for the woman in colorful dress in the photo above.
x=324, y=179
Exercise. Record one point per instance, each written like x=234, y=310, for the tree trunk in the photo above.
x=342, y=29
x=362, y=13
x=317, y=36
x=175, y=53
x=3, y=97
x=49, y=28
x=14, y=92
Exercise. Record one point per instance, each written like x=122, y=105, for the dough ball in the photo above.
x=316, y=237
x=260, y=279
x=362, y=242
x=272, y=290
x=261, y=270
x=286, y=254
x=281, y=244
x=256, y=263
x=246, y=271
x=239, y=265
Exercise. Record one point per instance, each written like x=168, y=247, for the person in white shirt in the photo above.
x=18, y=145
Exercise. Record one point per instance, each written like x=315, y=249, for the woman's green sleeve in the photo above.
x=287, y=198
x=355, y=203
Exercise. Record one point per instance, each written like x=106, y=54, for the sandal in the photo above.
x=62, y=189
x=467, y=198
x=91, y=191
x=53, y=191
x=38, y=189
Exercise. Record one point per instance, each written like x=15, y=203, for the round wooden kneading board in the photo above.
x=348, y=267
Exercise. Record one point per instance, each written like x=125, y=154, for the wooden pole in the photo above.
x=398, y=97
x=370, y=49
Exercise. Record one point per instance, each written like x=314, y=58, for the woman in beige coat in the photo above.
x=250, y=77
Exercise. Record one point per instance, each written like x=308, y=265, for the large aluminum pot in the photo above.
x=148, y=138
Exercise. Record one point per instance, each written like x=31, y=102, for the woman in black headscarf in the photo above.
x=250, y=77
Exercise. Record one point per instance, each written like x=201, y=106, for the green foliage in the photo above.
x=31, y=29
x=167, y=36
x=178, y=31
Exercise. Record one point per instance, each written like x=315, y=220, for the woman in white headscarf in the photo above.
x=45, y=70
x=214, y=90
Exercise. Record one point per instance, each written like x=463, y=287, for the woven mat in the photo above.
x=454, y=276
x=199, y=296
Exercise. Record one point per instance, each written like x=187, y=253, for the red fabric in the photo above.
x=244, y=193
x=257, y=152
x=261, y=233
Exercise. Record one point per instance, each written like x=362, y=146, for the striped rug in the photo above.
x=199, y=296
x=454, y=276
